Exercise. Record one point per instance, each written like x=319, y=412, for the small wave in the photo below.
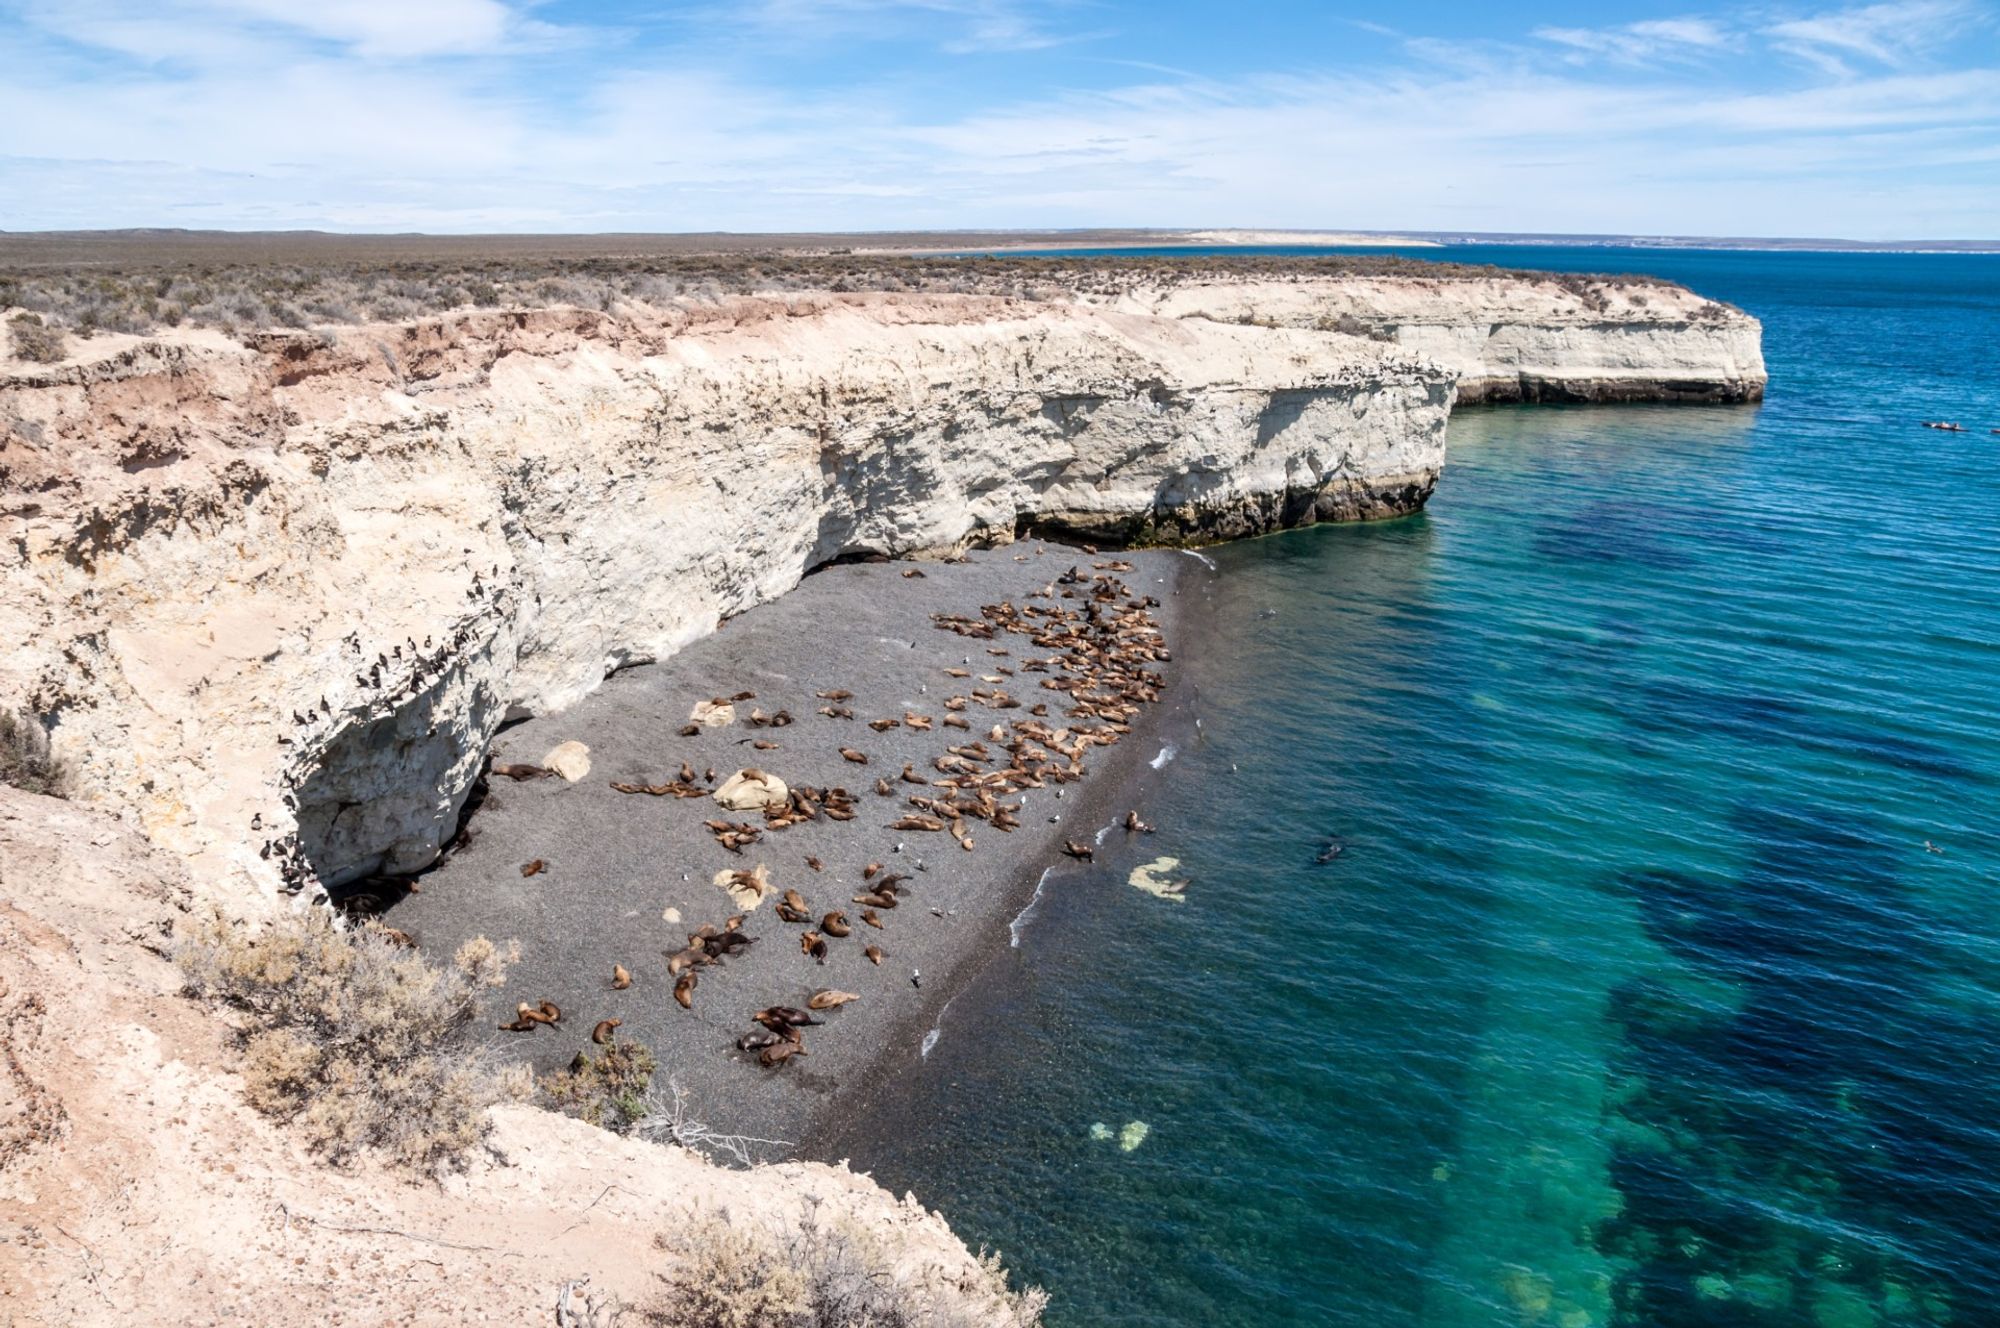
x=1021, y=919
x=1202, y=558
x=1102, y=833
x=936, y=1032
x=1167, y=753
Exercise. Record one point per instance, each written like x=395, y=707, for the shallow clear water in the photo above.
x=1635, y=996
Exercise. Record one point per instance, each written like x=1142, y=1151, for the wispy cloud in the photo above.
x=1645, y=42
x=1897, y=35
x=485, y=115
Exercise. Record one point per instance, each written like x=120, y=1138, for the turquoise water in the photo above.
x=1635, y=996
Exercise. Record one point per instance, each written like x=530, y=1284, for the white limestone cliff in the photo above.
x=276, y=597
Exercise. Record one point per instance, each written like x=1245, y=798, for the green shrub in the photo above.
x=25, y=759
x=357, y=1041
x=821, y=1274
x=32, y=339
x=608, y=1089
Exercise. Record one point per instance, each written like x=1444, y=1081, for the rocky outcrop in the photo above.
x=1516, y=337
x=137, y=1187
x=277, y=597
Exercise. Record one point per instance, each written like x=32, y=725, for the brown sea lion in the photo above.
x=535, y=868
x=828, y=999
x=689, y=730
x=835, y=924
x=815, y=863
x=603, y=1033
x=869, y=916
x=1081, y=852
x=519, y=772
x=1133, y=825
x=684, y=989
x=757, y=1041
x=868, y=872
x=874, y=953
x=620, y=979
x=859, y=758
x=779, y=1053
x=782, y=1018
x=834, y=694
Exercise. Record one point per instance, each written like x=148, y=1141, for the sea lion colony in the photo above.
x=1098, y=648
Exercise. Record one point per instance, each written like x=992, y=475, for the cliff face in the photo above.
x=1521, y=337
x=295, y=587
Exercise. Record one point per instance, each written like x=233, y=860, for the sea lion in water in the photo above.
x=684, y=989
x=1329, y=850
x=620, y=979
x=1081, y=852
x=835, y=924
x=1135, y=826
x=603, y=1033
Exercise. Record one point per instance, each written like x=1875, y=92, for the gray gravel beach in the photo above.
x=619, y=865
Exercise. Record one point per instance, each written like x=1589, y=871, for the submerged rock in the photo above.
x=1152, y=879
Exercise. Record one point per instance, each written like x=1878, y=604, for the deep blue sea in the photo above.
x=1635, y=996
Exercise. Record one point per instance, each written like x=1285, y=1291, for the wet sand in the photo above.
x=617, y=863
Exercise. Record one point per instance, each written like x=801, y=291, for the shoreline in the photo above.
x=616, y=863
x=1125, y=782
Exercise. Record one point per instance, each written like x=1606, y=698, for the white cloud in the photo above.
x=344, y=118
x=1642, y=43
x=1897, y=35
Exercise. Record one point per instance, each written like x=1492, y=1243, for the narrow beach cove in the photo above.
x=1633, y=996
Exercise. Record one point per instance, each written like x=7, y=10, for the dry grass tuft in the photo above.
x=25, y=759
x=821, y=1274
x=29, y=338
x=607, y=1089
x=357, y=1042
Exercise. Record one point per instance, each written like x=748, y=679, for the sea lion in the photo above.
x=835, y=694
x=835, y=924
x=859, y=758
x=689, y=730
x=869, y=872
x=876, y=901
x=884, y=725
x=534, y=868
x=521, y=772
x=956, y=722
x=757, y=1041
x=815, y=863
x=813, y=945
x=781, y=1018
x=744, y=696
x=869, y=916
x=603, y=1033
x=795, y=901
x=910, y=775
x=620, y=979
x=684, y=989
x=911, y=574
x=520, y=1025
x=1135, y=826
x=1329, y=850
x=874, y=953
x=779, y=1053
x=828, y=999
x=1081, y=852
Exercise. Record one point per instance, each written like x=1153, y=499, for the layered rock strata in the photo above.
x=277, y=597
x=1519, y=337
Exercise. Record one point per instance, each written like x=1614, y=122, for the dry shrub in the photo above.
x=821, y=1273
x=360, y=1043
x=25, y=759
x=32, y=339
x=607, y=1089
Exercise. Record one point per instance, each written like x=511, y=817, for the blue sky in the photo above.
x=1877, y=121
